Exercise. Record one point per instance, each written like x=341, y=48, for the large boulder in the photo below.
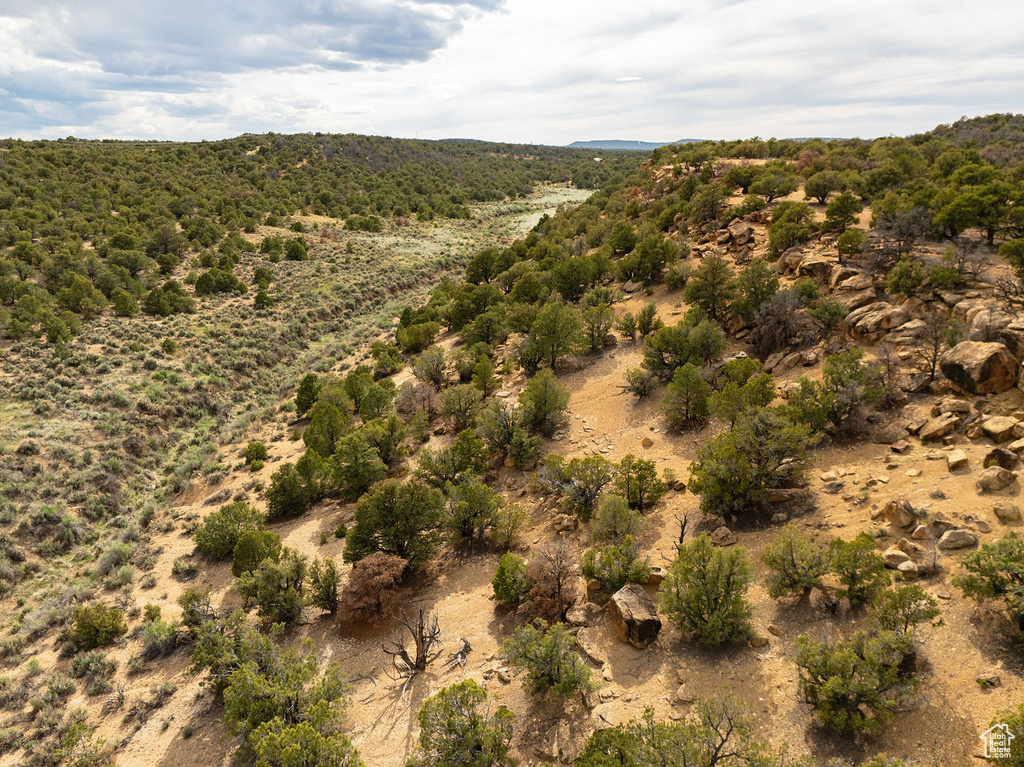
x=817, y=268
x=635, y=616
x=740, y=232
x=979, y=367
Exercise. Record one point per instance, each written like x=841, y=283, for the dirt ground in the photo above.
x=940, y=727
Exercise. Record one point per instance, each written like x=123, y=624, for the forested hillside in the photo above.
x=721, y=458
x=89, y=224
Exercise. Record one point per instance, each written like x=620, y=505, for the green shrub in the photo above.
x=396, y=518
x=550, y=658
x=287, y=495
x=686, y=399
x=855, y=685
x=995, y=573
x=455, y=733
x=615, y=520
x=859, y=569
x=96, y=626
x=615, y=565
x=797, y=563
x=511, y=583
x=218, y=534
x=252, y=548
x=705, y=592
x=737, y=470
x=905, y=607
x=638, y=482
x=255, y=451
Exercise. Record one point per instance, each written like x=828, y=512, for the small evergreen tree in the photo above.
x=686, y=399
x=859, y=569
x=854, y=685
x=218, y=534
x=511, y=583
x=396, y=518
x=550, y=658
x=615, y=565
x=288, y=495
x=705, y=590
x=638, y=482
x=455, y=733
x=797, y=563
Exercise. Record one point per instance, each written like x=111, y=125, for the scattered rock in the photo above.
x=943, y=594
x=995, y=479
x=682, y=696
x=989, y=679
x=913, y=472
x=957, y=539
x=899, y=512
x=635, y=616
x=908, y=570
x=1006, y=512
x=679, y=486
x=956, y=460
x=999, y=428
x=893, y=557
x=587, y=641
x=601, y=716
x=758, y=641
x=723, y=536
x=647, y=442
x=774, y=630
x=901, y=446
x=504, y=677
x=779, y=517
x=921, y=533
x=657, y=576
x=631, y=287
x=1000, y=456
x=979, y=367
x=939, y=427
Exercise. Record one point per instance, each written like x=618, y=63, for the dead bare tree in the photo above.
x=461, y=655
x=426, y=637
x=931, y=340
x=683, y=522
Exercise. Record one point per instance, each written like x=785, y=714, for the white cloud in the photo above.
x=515, y=70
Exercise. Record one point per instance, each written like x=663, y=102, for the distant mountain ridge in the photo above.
x=640, y=146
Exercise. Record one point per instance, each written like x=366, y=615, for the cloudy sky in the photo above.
x=540, y=71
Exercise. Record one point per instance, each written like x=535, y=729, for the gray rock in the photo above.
x=1006, y=512
x=893, y=557
x=899, y=512
x=957, y=539
x=995, y=479
x=999, y=428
